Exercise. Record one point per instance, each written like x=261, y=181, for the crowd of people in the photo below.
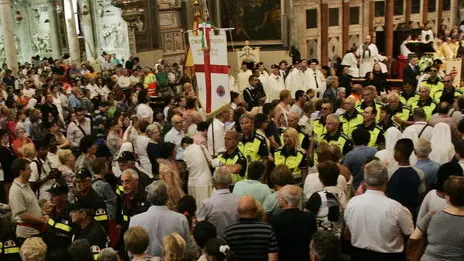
x=303, y=164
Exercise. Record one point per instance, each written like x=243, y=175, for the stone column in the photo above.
x=131, y=36
x=8, y=36
x=87, y=29
x=371, y=18
x=346, y=25
x=454, y=12
x=54, y=29
x=425, y=10
x=439, y=15
x=324, y=34
x=389, y=28
x=407, y=15
x=73, y=41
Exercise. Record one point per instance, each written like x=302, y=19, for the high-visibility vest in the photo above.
x=251, y=149
x=232, y=161
x=348, y=125
x=292, y=161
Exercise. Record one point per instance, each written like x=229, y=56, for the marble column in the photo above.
x=454, y=12
x=8, y=36
x=407, y=15
x=389, y=5
x=346, y=25
x=371, y=18
x=439, y=15
x=425, y=11
x=73, y=41
x=324, y=34
x=87, y=29
x=131, y=35
x=54, y=29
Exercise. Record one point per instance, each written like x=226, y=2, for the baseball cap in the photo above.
x=83, y=174
x=126, y=156
x=82, y=203
x=58, y=188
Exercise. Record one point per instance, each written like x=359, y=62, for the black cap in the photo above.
x=314, y=60
x=81, y=203
x=126, y=156
x=58, y=188
x=274, y=66
x=83, y=174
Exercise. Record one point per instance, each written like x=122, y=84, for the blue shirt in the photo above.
x=74, y=102
x=159, y=222
x=430, y=169
x=252, y=187
x=355, y=159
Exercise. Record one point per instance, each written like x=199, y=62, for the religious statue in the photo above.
x=112, y=36
x=41, y=42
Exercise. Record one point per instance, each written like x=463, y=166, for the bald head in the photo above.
x=247, y=207
x=293, y=118
x=291, y=196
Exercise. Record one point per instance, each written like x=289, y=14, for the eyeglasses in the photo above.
x=325, y=108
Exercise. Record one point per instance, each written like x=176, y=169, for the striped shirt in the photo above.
x=251, y=239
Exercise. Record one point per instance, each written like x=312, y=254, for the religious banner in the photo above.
x=209, y=53
x=453, y=67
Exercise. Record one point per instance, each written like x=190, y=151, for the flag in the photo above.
x=209, y=53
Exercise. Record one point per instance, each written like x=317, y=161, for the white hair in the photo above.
x=423, y=148
x=375, y=173
x=222, y=175
x=134, y=175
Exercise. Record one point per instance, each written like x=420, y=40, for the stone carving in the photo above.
x=112, y=36
x=311, y=46
x=334, y=47
x=166, y=4
x=354, y=41
x=41, y=42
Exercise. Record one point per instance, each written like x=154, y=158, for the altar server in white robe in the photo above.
x=243, y=77
x=232, y=83
x=295, y=79
x=350, y=59
x=263, y=76
x=315, y=78
x=275, y=83
x=367, y=53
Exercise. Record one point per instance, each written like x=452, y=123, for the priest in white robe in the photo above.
x=367, y=53
x=295, y=79
x=276, y=84
x=315, y=78
x=243, y=77
x=350, y=59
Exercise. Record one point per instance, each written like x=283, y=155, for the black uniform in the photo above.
x=99, y=207
x=60, y=230
x=93, y=233
x=9, y=244
x=127, y=208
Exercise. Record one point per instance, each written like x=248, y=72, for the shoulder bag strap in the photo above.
x=423, y=129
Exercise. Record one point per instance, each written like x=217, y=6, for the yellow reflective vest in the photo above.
x=363, y=106
x=429, y=107
x=294, y=159
x=350, y=122
x=236, y=157
x=254, y=148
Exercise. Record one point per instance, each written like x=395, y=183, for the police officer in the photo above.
x=304, y=141
x=84, y=190
x=377, y=139
x=81, y=213
x=351, y=118
x=132, y=201
x=368, y=94
x=291, y=154
x=335, y=136
x=127, y=160
x=408, y=95
x=400, y=111
x=9, y=243
x=433, y=82
x=232, y=158
x=448, y=93
x=252, y=144
x=319, y=123
x=59, y=224
x=425, y=102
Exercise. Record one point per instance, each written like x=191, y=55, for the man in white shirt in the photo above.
x=423, y=129
x=175, y=136
x=93, y=88
x=79, y=128
x=216, y=142
x=124, y=80
x=197, y=159
x=243, y=77
x=377, y=224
